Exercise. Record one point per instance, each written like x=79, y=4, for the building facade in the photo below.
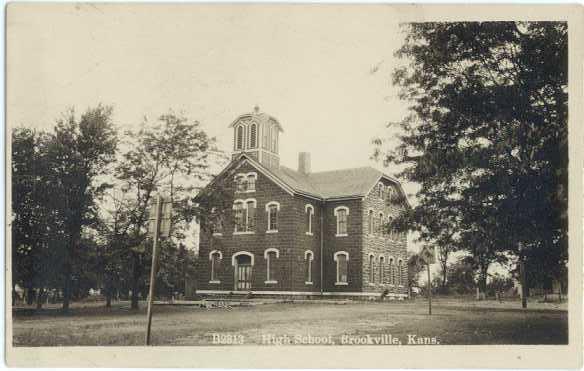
x=274, y=230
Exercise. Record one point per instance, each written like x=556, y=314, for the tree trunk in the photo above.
x=108, y=292
x=66, y=286
x=135, y=281
x=39, y=299
x=523, y=276
x=29, y=296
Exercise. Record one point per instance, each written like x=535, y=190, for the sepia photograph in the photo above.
x=312, y=178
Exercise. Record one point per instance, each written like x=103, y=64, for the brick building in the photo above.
x=275, y=230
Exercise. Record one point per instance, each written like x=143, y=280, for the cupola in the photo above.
x=257, y=135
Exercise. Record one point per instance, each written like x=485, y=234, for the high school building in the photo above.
x=277, y=230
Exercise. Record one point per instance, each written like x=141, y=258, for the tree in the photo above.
x=415, y=266
x=36, y=228
x=487, y=131
x=166, y=157
x=79, y=153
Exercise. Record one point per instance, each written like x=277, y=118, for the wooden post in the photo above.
x=429, y=292
x=153, y=267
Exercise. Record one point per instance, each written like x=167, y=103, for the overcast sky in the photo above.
x=323, y=72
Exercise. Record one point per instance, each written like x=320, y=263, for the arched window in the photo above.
x=400, y=272
x=370, y=222
x=342, y=259
x=380, y=224
x=271, y=255
x=381, y=270
x=251, y=182
x=371, y=268
x=309, y=214
x=341, y=213
x=239, y=138
x=215, y=257
x=272, y=209
x=308, y=257
x=253, y=135
x=391, y=272
x=244, y=212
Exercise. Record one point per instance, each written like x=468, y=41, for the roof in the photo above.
x=259, y=117
x=327, y=185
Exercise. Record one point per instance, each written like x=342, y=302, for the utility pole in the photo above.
x=154, y=266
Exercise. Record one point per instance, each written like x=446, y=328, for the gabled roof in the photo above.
x=326, y=185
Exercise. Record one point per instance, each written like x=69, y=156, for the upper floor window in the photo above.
x=309, y=214
x=271, y=255
x=308, y=257
x=341, y=213
x=244, y=215
x=371, y=268
x=370, y=222
x=342, y=259
x=380, y=190
x=215, y=257
x=253, y=133
x=272, y=209
x=239, y=138
x=380, y=227
x=246, y=182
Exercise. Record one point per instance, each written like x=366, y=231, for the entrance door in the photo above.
x=243, y=269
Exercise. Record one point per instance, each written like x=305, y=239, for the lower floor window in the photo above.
x=308, y=256
x=342, y=259
x=215, y=258
x=271, y=255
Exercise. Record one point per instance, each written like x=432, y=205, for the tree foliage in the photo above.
x=486, y=137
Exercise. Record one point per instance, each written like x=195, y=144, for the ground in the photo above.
x=452, y=322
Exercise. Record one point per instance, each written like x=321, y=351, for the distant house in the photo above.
x=285, y=231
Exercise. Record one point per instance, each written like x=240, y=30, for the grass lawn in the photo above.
x=452, y=322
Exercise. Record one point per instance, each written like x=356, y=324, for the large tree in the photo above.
x=168, y=156
x=79, y=153
x=486, y=135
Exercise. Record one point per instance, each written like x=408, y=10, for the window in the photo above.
x=399, y=272
x=308, y=257
x=381, y=269
x=253, y=132
x=370, y=222
x=380, y=224
x=244, y=216
x=240, y=183
x=391, y=272
x=271, y=255
x=245, y=182
x=389, y=195
x=265, y=141
x=371, y=268
x=309, y=214
x=272, y=209
x=380, y=190
x=274, y=137
x=341, y=213
x=217, y=225
x=251, y=182
x=239, y=138
x=215, y=257
x=342, y=259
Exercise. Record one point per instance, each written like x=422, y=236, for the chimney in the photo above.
x=304, y=163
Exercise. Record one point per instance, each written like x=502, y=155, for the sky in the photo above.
x=323, y=72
